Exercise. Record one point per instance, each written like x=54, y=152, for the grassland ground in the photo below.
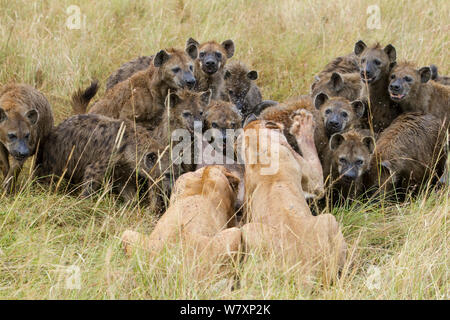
x=396, y=250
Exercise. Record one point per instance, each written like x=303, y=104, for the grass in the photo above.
x=396, y=251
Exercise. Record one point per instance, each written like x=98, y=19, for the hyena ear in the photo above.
x=150, y=159
x=391, y=52
x=228, y=45
x=358, y=107
x=191, y=41
x=192, y=51
x=32, y=116
x=434, y=72
x=206, y=97
x=320, y=99
x=392, y=65
x=425, y=74
x=369, y=142
x=252, y=75
x=3, y=116
x=336, y=81
x=227, y=75
x=335, y=141
x=360, y=46
x=161, y=58
x=250, y=118
x=173, y=99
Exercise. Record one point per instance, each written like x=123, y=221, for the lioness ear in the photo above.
x=233, y=179
x=274, y=125
x=227, y=75
x=3, y=116
x=369, y=142
x=252, y=75
x=358, y=107
x=391, y=52
x=335, y=141
x=206, y=97
x=192, y=51
x=150, y=159
x=336, y=81
x=161, y=58
x=425, y=74
x=320, y=99
x=359, y=47
x=32, y=116
x=250, y=118
x=228, y=45
x=173, y=99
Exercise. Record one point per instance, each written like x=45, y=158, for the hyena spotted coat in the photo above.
x=26, y=118
x=142, y=97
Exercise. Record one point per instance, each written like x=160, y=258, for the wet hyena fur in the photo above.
x=86, y=149
x=240, y=87
x=375, y=64
x=26, y=118
x=127, y=69
x=210, y=65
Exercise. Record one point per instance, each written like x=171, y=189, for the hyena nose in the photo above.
x=334, y=123
x=366, y=74
x=190, y=83
x=394, y=87
x=351, y=174
x=210, y=63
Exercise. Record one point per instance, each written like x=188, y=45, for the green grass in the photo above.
x=43, y=232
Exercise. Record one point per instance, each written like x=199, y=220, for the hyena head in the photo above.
x=18, y=132
x=176, y=68
x=405, y=81
x=374, y=62
x=222, y=115
x=337, y=85
x=238, y=80
x=212, y=56
x=351, y=154
x=149, y=159
x=186, y=108
x=338, y=113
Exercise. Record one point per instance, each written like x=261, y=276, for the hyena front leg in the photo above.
x=4, y=162
x=9, y=184
x=93, y=178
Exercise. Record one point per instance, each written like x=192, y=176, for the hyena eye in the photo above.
x=344, y=114
x=202, y=54
x=27, y=136
x=214, y=125
x=363, y=60
x=187, y=114
x=12, y=136
x=191, y=68
x=359, y=162
x=218, y=55
x=342, y=161
x=408, y=79
x=392, y=76
x=328, y=111
x=377, y=62
x=233, y=124
x=176, y=70
x=230, y=91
